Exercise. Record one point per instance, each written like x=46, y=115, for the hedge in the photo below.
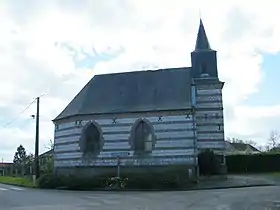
x=256, y=163
x=132, y=181
x=51, y=181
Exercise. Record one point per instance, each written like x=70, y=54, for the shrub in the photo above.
x=208, y=162
x=85, y=183
x=152, y=181
x=116, y=182
x=132, y=181
x=50, y=181
x=70, y=182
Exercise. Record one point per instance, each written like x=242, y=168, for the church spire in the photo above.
x=202, y=40
x=204, y=59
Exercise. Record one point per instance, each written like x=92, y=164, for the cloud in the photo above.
x=254, y=123
x=55, y=47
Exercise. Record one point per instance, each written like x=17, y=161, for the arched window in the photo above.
x=143, y=137
x=91, y=139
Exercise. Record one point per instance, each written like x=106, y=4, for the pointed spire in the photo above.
x=201, y=40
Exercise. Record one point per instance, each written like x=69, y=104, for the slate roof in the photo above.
x=236, y=147
x=243, y=147
x=202, y=42
x=138, y=91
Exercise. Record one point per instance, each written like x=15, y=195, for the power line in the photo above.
x=19, y=113
x=34, y=99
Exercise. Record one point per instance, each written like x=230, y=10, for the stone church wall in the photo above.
x=209, y=117
x=174, y=142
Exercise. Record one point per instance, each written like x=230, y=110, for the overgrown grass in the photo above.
x=18, y=181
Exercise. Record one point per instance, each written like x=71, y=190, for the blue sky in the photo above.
x=269, y=86
x=56, y=47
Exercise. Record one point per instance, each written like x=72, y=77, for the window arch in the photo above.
x=142, y=136
x=91, y=139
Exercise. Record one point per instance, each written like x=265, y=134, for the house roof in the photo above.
x=5, y=164
x=236, y=146
x=138, y=91
x=244, y=146
x=49, y=152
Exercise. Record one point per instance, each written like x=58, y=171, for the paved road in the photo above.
x=256, y=198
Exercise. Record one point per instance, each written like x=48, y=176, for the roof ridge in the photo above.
x=140, y=71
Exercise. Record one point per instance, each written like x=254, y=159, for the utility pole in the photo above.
x=3, y=170
x=36, y=162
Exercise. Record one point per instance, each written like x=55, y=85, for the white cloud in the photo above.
x=255, y=123
x=142, y=34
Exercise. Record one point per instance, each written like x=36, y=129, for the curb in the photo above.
x=147, y=190
x=18, y=185
x=167, y=190
x=231, y=187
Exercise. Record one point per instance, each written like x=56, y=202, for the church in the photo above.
x=144, y=121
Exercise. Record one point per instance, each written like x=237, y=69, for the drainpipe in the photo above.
x=193, y=101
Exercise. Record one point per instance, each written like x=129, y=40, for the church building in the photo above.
x=144, y=121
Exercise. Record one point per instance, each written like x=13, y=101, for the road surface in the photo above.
x=264, y=198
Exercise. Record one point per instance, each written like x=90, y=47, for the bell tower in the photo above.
x=204, y=59
x=207, y=94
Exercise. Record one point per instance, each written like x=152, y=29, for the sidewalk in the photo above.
x=236, y=181
x=216, y=182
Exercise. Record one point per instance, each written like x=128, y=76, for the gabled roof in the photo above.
x=138, y=91
x=202, y=42
x=240, y=147
x=244, y=146
x=47, y=153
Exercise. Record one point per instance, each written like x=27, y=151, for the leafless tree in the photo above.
x=237, y=140
x=262, y=148
x=273, y=140
x=50, y=145
x=234, y=140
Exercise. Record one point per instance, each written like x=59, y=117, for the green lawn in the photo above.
x=276, y=174
x=19, y=181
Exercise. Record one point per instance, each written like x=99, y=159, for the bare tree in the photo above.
x=267, y=148
x=262, y=148
x=50, y=145
x=237, y=140
x=234, y=140
x=273, y=140
x=47, y=165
